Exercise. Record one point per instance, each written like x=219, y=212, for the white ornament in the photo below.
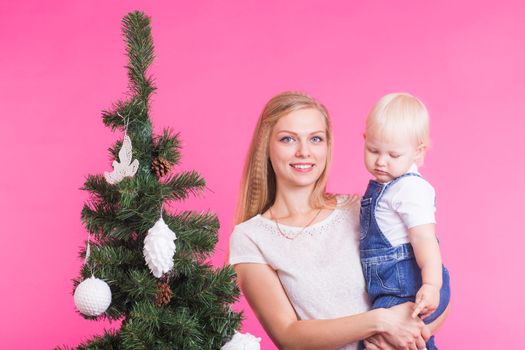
x=159, y=248
x=92, y=296
x=125, y=168
x=241, y=341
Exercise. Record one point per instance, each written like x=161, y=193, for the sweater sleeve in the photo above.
x=243, y=249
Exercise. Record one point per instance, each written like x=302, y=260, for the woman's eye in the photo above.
x=286, y=139
x=317, y=139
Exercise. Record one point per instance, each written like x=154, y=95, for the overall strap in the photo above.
x=394, y=181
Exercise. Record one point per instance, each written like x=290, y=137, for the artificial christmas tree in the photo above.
x=166, y=298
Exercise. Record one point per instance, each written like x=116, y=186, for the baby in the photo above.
x=399, y=249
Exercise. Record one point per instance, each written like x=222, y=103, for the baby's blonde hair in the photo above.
x=400, y=114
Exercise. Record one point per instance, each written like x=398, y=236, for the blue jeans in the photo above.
x=391, y=274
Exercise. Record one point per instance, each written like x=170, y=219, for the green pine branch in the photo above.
x=100, y=189
x=139, y=285
x=110, y=340
x=98, y=218
x=140, y=50
x=168, y=146
x=196, y=233
x=181, y=185
x=110, y=256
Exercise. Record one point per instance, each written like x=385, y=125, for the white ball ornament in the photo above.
x=241, y=341
x=159, y=248
x=92, y=296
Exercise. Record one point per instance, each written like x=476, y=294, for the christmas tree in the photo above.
x=164, y=301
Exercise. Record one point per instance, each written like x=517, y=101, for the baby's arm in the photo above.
x=428, y=257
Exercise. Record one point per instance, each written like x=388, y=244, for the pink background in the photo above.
x=218, y=63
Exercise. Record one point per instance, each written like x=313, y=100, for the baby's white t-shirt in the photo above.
x=319, y=269
x=407, y=203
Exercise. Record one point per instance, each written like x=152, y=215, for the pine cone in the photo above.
x=160, y=166
x=164, y=294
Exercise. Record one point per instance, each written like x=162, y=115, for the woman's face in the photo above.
x=298, y=148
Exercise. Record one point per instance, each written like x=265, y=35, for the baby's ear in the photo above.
x=420, y=154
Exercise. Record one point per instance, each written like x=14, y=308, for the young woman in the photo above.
x=295, y=247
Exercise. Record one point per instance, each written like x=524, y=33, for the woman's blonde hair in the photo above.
x=258, y=183
x=399, y=114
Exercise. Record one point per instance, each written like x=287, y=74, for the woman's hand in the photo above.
x=398, y=330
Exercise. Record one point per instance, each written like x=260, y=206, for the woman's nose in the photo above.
x=302, y=150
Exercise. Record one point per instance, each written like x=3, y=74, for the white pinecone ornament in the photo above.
x=159, y=248
x=92, y=296
x=241, y=341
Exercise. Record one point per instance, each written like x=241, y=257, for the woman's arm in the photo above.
x=263, y=290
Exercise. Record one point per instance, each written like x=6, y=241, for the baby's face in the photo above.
x=389, y=158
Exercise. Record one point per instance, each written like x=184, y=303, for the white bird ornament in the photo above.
x=124, y=168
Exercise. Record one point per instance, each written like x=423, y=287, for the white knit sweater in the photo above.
x=319, y=269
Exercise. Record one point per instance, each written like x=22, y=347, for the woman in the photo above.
x=295, y=247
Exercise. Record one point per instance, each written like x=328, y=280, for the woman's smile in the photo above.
x=302, y=167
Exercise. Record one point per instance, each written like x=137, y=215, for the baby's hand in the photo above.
x=427, y=301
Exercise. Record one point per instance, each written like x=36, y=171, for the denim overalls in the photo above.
x=391, y=273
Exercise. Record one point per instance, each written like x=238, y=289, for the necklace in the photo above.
x=299, y=233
